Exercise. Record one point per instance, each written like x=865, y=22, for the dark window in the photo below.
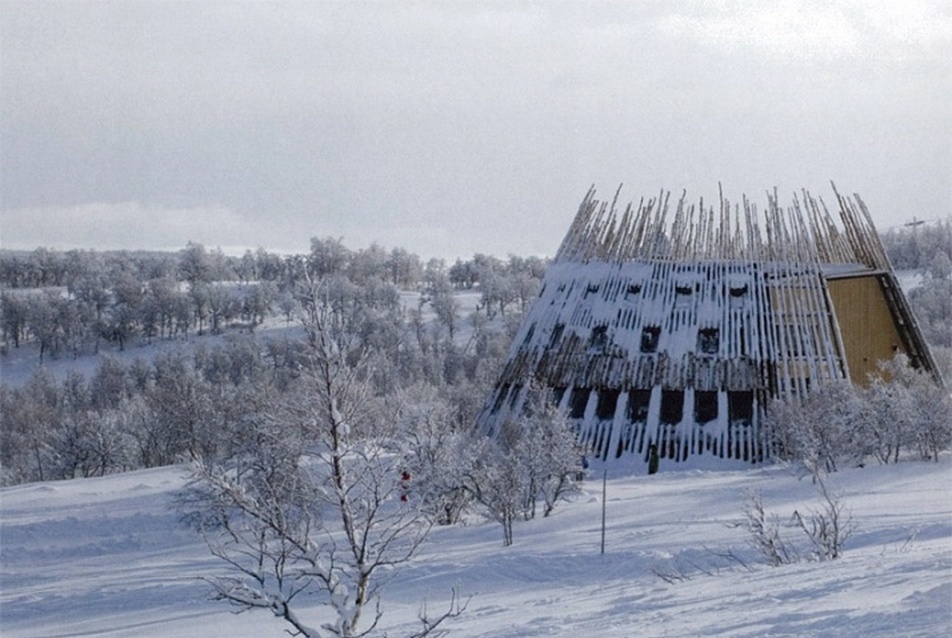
x=638, y=401
x=672, y=406
x=599, y=338
x=708, y=340
x=740, y=407
x=683, y=290
x=591, y=289
x=633, y=290
x=577, y=402
x=556, y=335
x=557, y=394
x=649, y=338
x=705, y=406
x=607, y=401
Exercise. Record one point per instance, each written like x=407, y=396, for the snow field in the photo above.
x=107, y=557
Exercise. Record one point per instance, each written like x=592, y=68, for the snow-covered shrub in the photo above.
x=535, y=457
x=827, y=528
x=824, y=429
x=901, y=410
x=764, y=532
x=907, y=410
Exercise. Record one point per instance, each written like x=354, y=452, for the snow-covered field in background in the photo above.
x=106, y=557
x=17, y=365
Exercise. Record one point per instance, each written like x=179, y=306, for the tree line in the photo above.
x=926, y=249
x=77, y=302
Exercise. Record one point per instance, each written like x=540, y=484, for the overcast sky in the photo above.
x=451, y=128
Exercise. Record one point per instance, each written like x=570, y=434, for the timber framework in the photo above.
x=668, y=326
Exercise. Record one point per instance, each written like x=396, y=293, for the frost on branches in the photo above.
x=535, y=458
x=310, y=506
x=902, y=410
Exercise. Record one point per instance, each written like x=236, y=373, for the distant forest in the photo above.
x=926, y=249
x=171, y=403
x=76, y=301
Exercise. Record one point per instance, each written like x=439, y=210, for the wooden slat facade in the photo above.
x=673, y=329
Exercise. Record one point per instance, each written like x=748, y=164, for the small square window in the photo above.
x=705, y=407
x=708, y=340
x=740, y=407
x=599, y=338
x=672, y=406
x=578, y=401
x=650, y=336
x=638, y=401
x=607, y=401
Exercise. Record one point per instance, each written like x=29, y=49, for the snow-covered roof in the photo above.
x=673, y=325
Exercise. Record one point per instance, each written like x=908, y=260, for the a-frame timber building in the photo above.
x=672, y=324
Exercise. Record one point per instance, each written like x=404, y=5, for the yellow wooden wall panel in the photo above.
x=866, y=323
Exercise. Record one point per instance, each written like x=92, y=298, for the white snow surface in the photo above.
x=107, y=557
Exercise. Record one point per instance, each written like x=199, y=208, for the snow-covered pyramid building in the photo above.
x=674, y=327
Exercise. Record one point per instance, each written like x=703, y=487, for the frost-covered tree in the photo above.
x=823, y=429
x=90, y=443
x=498, y=483
x=907, y=409
x=437, y=455
x=309, y=506
x=901, y=410
x=43, y=318
x=547, y=447
x=535, y=457
x=14, y=317
x=30, y=415
x=439, y=293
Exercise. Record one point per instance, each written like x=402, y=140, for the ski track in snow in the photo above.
x=107, y=557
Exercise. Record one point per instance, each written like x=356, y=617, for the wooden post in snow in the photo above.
x=604, y=493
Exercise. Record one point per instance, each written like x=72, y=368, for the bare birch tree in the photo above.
x=310, y=505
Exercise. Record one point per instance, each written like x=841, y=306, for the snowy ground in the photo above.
x=106, y=557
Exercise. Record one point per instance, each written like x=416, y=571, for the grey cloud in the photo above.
x=482, y=123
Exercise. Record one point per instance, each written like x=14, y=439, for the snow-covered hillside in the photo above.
x=106, y=557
